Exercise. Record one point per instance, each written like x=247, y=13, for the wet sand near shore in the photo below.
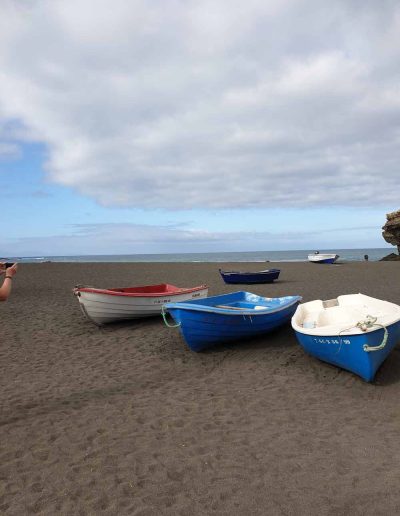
x=125, y=420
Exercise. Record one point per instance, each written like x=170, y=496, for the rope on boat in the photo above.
x=370, y=322
x=164, y=316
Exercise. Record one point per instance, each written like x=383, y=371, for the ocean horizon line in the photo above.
x=299, y=255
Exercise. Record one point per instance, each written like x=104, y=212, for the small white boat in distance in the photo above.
x=318, y=257
x=103, y=306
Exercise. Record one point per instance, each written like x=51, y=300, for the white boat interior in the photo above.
x=341, y=315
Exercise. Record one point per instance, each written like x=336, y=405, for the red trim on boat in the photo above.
x=145, y=291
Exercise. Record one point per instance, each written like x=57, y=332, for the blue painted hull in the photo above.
x=249, y=278
x=323, y=258
x=348, y=353
x=328, y=260
x=207, y=322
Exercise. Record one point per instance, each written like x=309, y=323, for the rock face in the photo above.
x=391, y=232
x=392, y=257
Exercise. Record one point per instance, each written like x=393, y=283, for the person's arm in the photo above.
x=6, y=287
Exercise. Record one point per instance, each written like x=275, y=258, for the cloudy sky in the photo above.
x=197, y=125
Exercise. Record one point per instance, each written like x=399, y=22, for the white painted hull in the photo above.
x=104, y=308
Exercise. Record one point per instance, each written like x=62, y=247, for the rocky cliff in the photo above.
x=391, y=233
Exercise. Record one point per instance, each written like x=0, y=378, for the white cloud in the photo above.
x=129, y=238
x=211, y=104
x=8, y=150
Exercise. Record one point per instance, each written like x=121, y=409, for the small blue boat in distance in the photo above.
x=228, y=317
x=248, y=278
x=355, y=332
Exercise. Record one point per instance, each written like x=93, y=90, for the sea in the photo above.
x=346, y=255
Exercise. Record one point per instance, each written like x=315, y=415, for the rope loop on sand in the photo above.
x=370, y=322
x=164, y=316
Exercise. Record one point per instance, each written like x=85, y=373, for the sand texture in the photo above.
x=125, y=420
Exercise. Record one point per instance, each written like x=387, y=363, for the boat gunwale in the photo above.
x=266, y=272
x=233, y=311
x=315, y=332
x=114, y=292
x=323, y=254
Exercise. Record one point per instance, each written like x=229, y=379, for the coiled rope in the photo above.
x=370, y=322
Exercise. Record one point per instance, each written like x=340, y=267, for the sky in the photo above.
x=173, y=126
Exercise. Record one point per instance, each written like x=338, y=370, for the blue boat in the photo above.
x=355, y=332
x=206, y=322
x=247, y=278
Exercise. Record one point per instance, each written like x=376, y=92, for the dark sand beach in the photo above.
x=125, y=420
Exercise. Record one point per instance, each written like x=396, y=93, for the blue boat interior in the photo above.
x=242, y=304
x=237, y=301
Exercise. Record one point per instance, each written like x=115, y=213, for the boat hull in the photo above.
x=102, y=307
x=249, y=278
x=348, y=351
x=321, y=258
x=353, y=331
x=325, y=260
x=202, y=328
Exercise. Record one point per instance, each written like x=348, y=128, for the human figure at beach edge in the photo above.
x=5, y=289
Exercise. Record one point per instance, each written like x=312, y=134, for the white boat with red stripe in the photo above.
x=103, y=306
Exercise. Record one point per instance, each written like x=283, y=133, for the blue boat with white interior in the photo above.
x=318, y=257
x=355, y=332
x=206, y=322
x=249, y=278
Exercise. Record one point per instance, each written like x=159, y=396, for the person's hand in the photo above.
x=2, y=268
x=11, y=271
